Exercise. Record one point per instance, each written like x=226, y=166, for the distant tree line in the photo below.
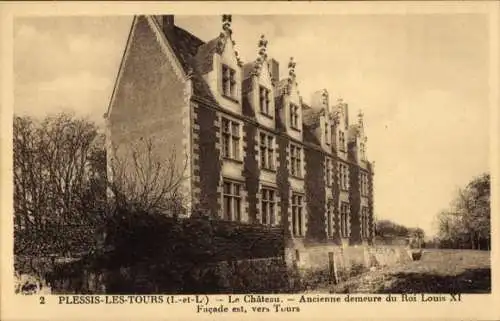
x=388, y=231
x=466, y=224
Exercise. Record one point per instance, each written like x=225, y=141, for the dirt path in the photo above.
x=439, y=271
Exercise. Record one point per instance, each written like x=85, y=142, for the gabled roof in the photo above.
x=205, y=56
x=186, y=46
x=196, y=59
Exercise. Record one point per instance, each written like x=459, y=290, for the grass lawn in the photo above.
x=438, y=271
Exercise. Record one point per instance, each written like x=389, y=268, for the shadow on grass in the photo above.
x=470, y=281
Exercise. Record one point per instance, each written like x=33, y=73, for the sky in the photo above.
x=420, y=80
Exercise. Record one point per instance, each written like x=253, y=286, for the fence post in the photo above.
x=333, y=268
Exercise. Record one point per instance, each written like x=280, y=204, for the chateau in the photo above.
x=253, y=151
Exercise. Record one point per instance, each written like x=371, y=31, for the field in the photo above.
x=438, y=271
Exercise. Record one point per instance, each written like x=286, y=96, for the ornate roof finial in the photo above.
x=261, y=57
x=238, y=59
x=263, y=47
x=324, y=97
x=226, y=23
x=360, y=118
x=291, y=68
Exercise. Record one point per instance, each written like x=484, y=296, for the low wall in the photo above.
x=333, y=263
x=315, y=265
x=389, y=255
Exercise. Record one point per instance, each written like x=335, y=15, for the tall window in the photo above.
x=328, y=171
x=296, y=160
x=232, y=201
x=344, y=219
x=364, y=184
x=230, y=139
x=341, y=141
x=294, y=116
x=343, y=176
x=297, y=215
x=327, y=133
x=329, y=218
x=264, y=101
x=268, y=206
x=362, y=151
x=364, y=223
x=228, y=82
x=267, y=151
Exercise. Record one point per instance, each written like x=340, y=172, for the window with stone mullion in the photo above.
x=232, y=201
x=268, y=206
x=297, y=215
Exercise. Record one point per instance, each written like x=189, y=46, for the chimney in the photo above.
x=167, y=22
x=274, y=68
x=319, y=100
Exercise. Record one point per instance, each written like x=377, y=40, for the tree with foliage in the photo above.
x=388, y=230
x=467, y=223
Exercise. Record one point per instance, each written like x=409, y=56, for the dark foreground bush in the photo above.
x=157, y=254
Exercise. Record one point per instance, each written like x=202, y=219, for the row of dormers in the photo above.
x=256, y=89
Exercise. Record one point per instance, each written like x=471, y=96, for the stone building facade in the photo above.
x=252, y=150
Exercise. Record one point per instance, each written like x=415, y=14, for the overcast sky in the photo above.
x=421, y=81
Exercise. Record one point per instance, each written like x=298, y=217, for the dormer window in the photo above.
x=264, y=101
x=228, y=82
x=362, y=151
x=327, y=133
x=341, y=141
x=294, y=116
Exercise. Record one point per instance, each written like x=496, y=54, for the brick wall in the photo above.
x=251, y=170
x=208, y=152
x=315, y=195
x=283, y=183
x=355, y=203
x=149, y=104
x=371, y=222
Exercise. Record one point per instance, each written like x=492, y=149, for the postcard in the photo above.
x=269, y=160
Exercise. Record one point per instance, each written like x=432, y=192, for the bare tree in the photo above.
x=141, y=180
x=61, y=179
x=58, y=194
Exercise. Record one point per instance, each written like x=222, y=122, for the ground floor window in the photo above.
x=297, y=214
x=329, y=218
x=344, y=219
x=268, y=206
x=365, y=227
x=232, y=201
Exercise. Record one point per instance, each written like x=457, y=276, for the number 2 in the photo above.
x=42, y=300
